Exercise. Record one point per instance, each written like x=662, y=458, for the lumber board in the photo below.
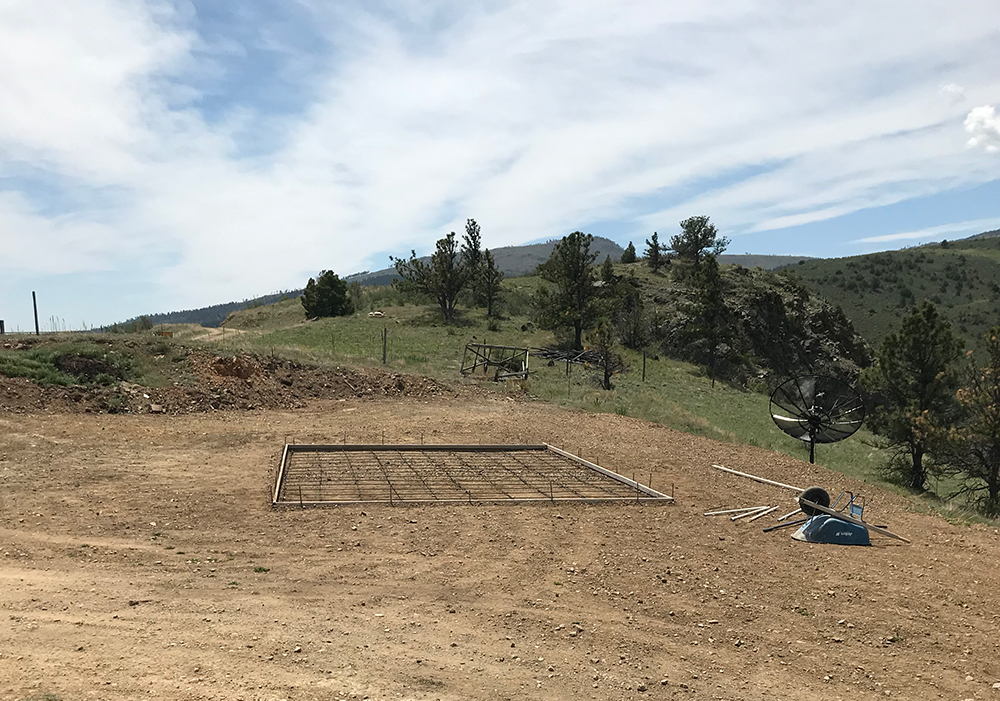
x=732, y=511
x=759, y=479
x=762, y=513
x=748, y=513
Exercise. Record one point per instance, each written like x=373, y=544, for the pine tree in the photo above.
x=472, y=260
x=443, y=278
x=971, y=451
x=628, y=255
x=326, y=296
x=632, y=322
x=491, y=285
x=608, y=273
x=602, y=339
x=571, y=304
x=712, y=319
x=698, y=238
x=654, y=253
x=914, y=385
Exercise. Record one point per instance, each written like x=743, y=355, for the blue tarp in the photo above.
x=823, y=528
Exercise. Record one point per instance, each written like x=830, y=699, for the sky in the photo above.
x=158, y=155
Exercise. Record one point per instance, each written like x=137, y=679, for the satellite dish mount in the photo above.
x=817, y=409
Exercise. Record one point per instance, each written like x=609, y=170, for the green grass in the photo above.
x=92, y=359
x=67, y=363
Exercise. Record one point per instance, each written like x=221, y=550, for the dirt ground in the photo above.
x=140, y=558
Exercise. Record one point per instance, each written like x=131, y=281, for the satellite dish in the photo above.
x=817, y=409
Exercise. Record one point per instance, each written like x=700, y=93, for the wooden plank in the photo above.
x=748, y=513
x=851, y=519
x=490, y=345
x=762, y=513
x=281, y=474
x=732, y=511
x=613, y=475
x=759, y=479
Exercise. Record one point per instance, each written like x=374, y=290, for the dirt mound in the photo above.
x=234, y=367
x=89, y=368
x=203, y=381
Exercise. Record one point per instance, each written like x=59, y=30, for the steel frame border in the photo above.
x=651, y=495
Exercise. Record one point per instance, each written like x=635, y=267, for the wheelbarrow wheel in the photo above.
x=817, y=495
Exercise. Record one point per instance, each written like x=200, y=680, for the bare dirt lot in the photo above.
x=140, y=558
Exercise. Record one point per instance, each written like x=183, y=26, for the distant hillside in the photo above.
x=217, y=313
x=961, y=277
x=514, y=261
x=522, y=260
x=987, y=234
x=752, y=260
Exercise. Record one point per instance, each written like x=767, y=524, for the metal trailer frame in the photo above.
x=510, y=362
x=535, y=473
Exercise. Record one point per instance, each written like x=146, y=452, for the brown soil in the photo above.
x=140, y=558
x=202, y=381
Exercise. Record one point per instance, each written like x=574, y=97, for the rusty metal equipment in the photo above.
x=506, y=362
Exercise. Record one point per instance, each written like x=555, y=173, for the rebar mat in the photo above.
x=330, y=474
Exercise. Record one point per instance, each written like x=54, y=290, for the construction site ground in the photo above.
x=140, y=558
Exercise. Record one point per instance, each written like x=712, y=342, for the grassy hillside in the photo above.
x=675, y=394
x=961, y=277
x=777, y=327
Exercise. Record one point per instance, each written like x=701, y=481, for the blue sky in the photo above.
x=159, y=155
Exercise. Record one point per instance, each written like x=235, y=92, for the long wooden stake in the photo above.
x=790, y=513
x=732, y=511
x=748, y=513
x=851, y=519
x=762, y=513
x=759, y=479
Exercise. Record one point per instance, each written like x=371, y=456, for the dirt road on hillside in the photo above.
x=140, y=558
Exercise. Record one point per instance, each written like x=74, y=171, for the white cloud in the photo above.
x=955, y=93
x=984, y=125
x=76, y=84
x=536, y=118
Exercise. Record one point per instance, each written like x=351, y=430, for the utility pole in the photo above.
x=34, y=303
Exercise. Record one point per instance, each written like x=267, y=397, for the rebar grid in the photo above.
x=318, y=475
